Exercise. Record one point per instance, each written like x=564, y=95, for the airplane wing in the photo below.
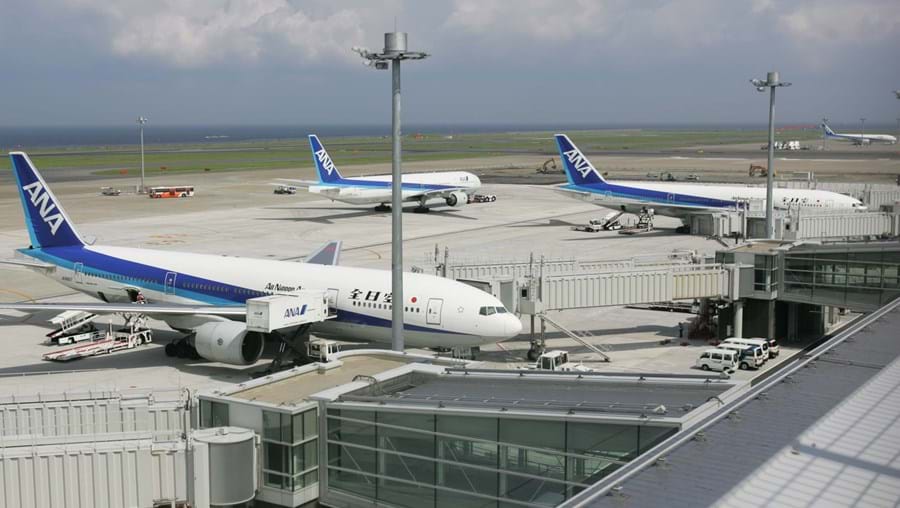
x=431, y=194
x=296, y=183
x=149, y=308
x=328, y=254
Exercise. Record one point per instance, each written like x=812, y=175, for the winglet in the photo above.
x=579, y=169
x=328, y=254
x=48, y=224
x=325, y=168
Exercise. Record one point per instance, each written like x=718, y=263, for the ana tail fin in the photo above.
x=47, y=222
x=325, y=168
x=827, y=129
x=579, y=169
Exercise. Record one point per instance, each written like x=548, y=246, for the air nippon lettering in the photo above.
x=294, y=311
x=581, y=164
x=41, y=201
x=325, y=160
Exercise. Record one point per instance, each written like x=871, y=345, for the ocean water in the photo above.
x=31, y=137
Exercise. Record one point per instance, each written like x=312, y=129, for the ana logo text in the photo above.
x=325, y=160
x=294, y=311
x=41, y=200
x=581, y=164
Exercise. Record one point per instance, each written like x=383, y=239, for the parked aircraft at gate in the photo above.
x=454, y=187
x=858, y=139
x=679, y=199
x=205, y=294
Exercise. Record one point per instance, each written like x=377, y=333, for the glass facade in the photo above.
x=843, y=278
x=423, y=459
x=290, y=450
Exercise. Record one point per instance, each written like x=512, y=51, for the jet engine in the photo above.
x=457, y=199
x=228, y=342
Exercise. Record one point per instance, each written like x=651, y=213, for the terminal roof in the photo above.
x=568, y=394
x=826, y=435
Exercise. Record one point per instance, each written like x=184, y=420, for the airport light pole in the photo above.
x=395, y=51
x=771, y=82
x=141, y=121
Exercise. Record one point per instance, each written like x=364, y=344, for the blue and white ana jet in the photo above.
x=454, y=187
x=858, y=139
x=205, y=295
x=679, y=199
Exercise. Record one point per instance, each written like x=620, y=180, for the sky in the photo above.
x=561, y=62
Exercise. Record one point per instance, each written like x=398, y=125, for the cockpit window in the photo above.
x=487, y=311
x=501, y=310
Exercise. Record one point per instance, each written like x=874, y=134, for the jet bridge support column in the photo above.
x=738, y=307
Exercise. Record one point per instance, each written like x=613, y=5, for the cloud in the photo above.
x=841, y=23
x=197, y=33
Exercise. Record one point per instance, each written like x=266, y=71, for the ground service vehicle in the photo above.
x=183, y=191
x=721, y=360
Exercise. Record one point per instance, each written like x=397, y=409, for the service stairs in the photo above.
x=582, y=337
x=69, y=321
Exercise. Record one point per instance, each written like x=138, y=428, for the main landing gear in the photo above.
x=182, y=348
x=383, y=208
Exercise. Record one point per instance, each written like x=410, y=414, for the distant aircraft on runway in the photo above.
x=454, y=187
x=204, y=295
x=679, y=199
x=858, y=139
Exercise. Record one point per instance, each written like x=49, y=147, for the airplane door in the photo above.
x=170, y=282
x=671, y=197
x=433, y=312
x=78, y=276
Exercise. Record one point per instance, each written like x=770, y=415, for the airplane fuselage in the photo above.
x=377, y=189
x=438, y=311
x=679, y=200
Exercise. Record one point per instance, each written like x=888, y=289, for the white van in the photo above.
x=774, y=349
x=721, y=360
x=749, y=357
x=761, y=343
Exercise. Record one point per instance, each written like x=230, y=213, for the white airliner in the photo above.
x=858, y=139
x=454, y=187
x=205, y=295
x=679, y=199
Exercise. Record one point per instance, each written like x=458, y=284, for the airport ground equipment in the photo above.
x=757, y=170
x=288, y=317
x=482, y=198
x=322, y=350
x=132, y=335
x=285, y=189
x=70, y=322
x=558, y=361
x=609, y=222
x=644, y=224
x=110, y=191
x=550, y=167
x=89, y=335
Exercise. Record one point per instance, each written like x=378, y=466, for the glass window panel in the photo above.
x=275, y=480
x=359, y=433
x=405, y=494
x=536, y=433
x=219, y=412
x=205, y=414
x=297, y=462
x=445, y=499
x=533, y=490
x=272, y=425
x=405, y=467
x=311, y=454
x=468, y=452
x=599, y=447
x=353, y=483
x=651, y=436
x=547, y=463
x=310, y=424
x=276, y=457
x=297, y=430
x=286, y=435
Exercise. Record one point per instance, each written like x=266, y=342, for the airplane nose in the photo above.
x=513, y=326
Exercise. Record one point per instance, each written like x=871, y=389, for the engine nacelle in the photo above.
x=457, y=199
x=228, y=342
